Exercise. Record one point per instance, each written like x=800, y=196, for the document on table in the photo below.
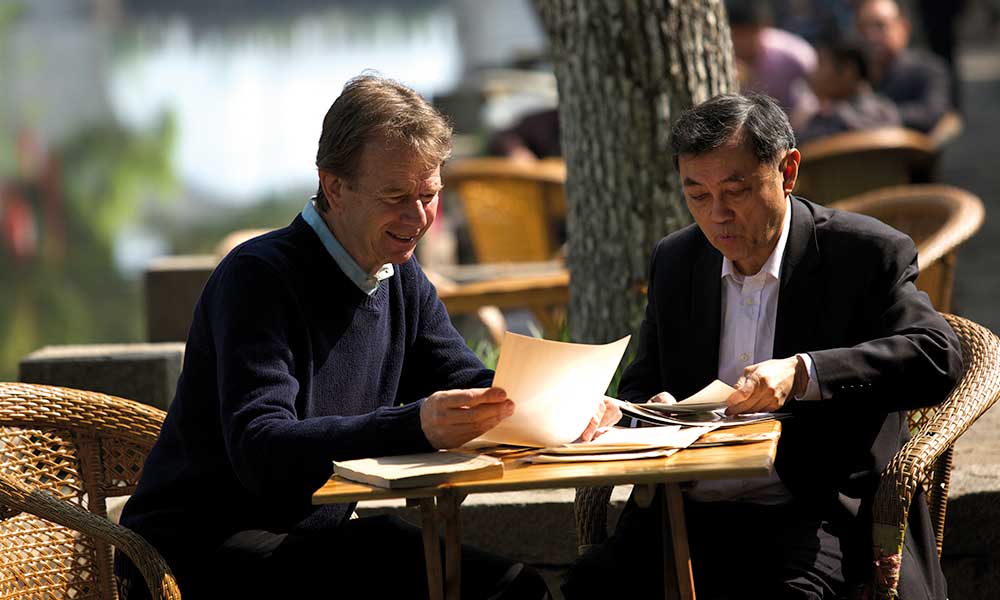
x=630, y=439
x=556, y=388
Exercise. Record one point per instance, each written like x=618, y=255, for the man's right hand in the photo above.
x=453, y=417
x=663, y=398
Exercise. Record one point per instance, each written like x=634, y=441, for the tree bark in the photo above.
x=625, y=71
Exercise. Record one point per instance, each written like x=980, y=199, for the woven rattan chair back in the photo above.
x=82, y=448
x=925, y=461
x=512, y=208
x=939, y=218
x=845, y=164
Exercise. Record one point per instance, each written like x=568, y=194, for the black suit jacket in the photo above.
x=847, y=297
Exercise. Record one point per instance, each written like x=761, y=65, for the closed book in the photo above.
x=419, y=470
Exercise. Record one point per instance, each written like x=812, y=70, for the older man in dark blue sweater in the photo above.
x=317, y=342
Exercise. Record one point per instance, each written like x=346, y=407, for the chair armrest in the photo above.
x=21, y=498
x=976, y=391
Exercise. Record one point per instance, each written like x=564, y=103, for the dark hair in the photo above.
x=372, y=107
x=846, y=52
x=748, y=13
x=755, y=117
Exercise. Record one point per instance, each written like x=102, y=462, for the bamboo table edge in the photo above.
x=676, y=468
x=440, y=505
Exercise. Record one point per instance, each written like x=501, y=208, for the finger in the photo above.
x=588, y=433
x=740, y=402
x=612, y=415
x=478, y=414
x=474, y=397
x=664, y=398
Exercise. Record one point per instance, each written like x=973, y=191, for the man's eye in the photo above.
x=427, y=198
x=699, y=197
x=738, y=192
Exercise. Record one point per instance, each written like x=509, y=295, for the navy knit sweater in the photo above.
x=288, y=367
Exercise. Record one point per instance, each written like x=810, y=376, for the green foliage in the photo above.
x=69, y=291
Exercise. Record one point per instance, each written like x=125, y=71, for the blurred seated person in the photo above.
x=915, y=80
x=532, y=137
x=768, y=60
x=845, y=98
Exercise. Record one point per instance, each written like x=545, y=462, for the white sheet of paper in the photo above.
x=714, y=395
x=572, y=458
x=625, y=439
x=555, y=386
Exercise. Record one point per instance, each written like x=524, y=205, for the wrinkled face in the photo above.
x=738, y=202
x=381, y=214
x=884, y=29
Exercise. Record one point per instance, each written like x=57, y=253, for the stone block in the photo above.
x=145, y=373
x=172, y=285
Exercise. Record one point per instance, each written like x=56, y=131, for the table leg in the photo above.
x=432, y=548
x=675, y=542
x=449, y=504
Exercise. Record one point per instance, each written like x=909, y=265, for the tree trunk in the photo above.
x=625, y=71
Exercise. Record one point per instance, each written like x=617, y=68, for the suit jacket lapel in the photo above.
x=706, y=316
x=799, y=297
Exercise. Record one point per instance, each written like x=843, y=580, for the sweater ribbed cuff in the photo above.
x=399, y=429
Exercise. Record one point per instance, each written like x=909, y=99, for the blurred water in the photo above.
x=249, y=102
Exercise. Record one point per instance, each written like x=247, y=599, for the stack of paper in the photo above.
x=620, y=443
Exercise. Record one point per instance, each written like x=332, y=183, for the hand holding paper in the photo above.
x=452, y=417
x=556, y=387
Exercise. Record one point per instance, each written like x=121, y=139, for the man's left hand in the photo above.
x=607, y=414
x=766, y=386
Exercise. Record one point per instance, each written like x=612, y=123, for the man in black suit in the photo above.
x=807, y=311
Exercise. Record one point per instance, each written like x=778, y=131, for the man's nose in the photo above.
x=415, y=212
x=720, y=210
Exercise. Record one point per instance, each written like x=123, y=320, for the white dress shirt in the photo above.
x=749, y=312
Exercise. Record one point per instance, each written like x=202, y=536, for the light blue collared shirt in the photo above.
x=367, y=283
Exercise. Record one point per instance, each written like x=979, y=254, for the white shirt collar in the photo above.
x=772, y=266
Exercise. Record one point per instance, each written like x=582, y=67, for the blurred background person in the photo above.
x=846, y=101
x=532, y=137
x=769, y=60
x=916, y=80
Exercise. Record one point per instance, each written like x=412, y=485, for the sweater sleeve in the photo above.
x=273, y=448
x=440, y=359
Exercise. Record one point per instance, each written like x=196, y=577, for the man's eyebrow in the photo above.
x=734, y=177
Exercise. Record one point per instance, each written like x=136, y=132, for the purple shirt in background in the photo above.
x=784, y=62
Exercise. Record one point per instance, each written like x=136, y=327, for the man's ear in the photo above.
x=790, y=170
x=333, y=187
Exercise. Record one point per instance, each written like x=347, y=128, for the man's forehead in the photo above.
x=732, y=160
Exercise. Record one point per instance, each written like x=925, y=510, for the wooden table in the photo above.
x=440, y=504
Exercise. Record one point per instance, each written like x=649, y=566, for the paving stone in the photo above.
x=171, y=286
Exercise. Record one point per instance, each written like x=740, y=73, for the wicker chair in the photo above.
x=63, y=452
x=511, y=207
x=845, y=164
x=924, y=461
x=939, y=218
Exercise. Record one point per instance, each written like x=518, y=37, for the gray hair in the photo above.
x=756, y=117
